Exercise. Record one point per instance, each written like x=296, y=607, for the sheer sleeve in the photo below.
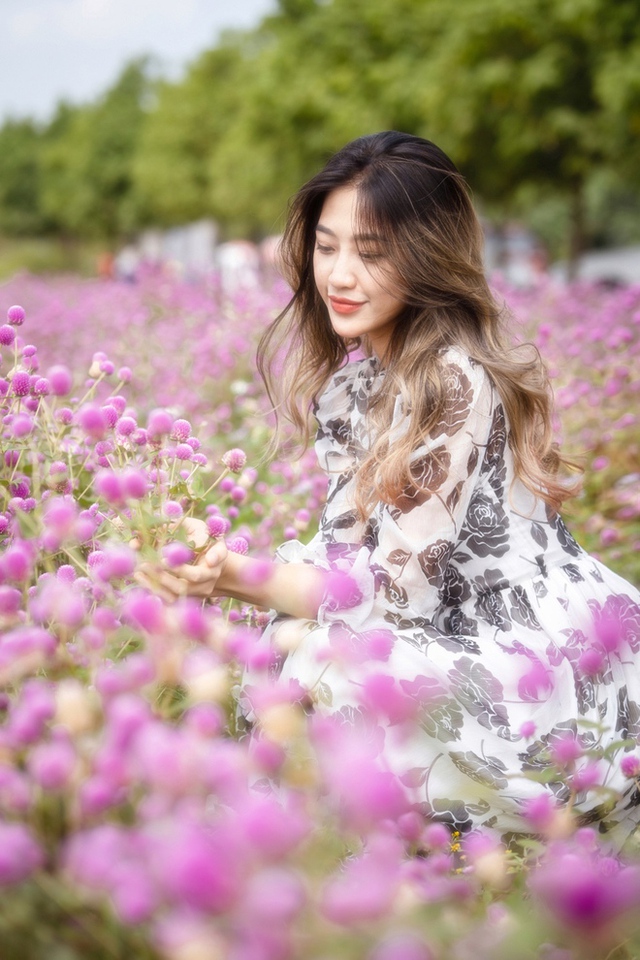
x=409, y=545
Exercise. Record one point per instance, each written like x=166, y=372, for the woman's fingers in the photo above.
x=216, y=554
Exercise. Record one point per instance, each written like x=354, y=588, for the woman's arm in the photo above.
x=291, y=588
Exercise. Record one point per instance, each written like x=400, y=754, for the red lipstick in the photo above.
x=342, y=305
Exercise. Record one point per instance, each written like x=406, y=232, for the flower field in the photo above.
x=140, y=817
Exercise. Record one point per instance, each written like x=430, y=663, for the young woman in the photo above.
x=444, y=490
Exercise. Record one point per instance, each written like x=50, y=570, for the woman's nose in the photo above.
x=342, y=273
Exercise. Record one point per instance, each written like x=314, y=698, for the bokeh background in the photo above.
x=118, y=117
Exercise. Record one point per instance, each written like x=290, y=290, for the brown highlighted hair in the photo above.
x=410, y=194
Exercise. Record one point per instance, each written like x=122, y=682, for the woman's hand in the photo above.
x=189, y=579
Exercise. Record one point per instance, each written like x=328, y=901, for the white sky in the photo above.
x=74, y=49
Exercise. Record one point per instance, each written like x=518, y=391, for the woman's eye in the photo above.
x=370, y=256
x=320, y=248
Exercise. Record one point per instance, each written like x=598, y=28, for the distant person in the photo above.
x=105, y=265
x=127, y=263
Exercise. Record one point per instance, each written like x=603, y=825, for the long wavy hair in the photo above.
x=410, y=194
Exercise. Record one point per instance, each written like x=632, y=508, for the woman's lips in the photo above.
x=341, y=305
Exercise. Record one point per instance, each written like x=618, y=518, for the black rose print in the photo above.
x=459, y=394
x=429, y=472
x=434, y=560
x=486, y=527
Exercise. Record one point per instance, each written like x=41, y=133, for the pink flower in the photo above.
x=159, y=424
x=566, y=750
x=20, y=855
x=630, y=766
x=180, y=430
x=365, y=889
x=16, y=315
x=51, y=765
x=107, y=485
x=93, y=421
x=60, y=379
x=584, y=890
x=144, y=610
x=7, y=335
x=381, y=695
x=217, y=526
x=234, y=460
x=176, y=553
x=21, y=384
x=172, y=510
x=238, y=545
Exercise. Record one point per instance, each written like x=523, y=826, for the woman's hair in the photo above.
x=411, y=195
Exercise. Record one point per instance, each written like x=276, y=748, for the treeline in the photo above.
x=537, y=101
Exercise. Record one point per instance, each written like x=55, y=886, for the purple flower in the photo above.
x=21, y=383
x=126, y=426
x=238, y=545
x=51, y=765
x=630, y=766
x=217, y=526
x=7, y=335
x=134, y=483
x=172, y=510
x=159, y=424
x=16, y=315
x=234, y=460
x=107, y=485
x=584, y=890
x=60, y=379
x=180, y=430
x=144, y=610
x=20, y=855
x=183, y=451
x=176, y=553
x=42, y=387
x=93, y=421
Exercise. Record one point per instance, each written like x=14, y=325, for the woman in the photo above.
x=444, y=488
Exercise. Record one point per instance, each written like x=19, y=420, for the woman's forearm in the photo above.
x=292, y=588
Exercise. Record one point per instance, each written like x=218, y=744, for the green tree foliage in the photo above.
x=87, y=160
x=537, y=101
x=20, y=181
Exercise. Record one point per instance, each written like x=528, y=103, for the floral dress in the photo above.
x=483, y=609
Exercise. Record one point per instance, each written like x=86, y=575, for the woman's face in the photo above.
x=353, y=275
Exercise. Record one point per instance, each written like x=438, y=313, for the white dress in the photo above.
x=480, y=605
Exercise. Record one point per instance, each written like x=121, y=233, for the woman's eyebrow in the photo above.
x=359, y=237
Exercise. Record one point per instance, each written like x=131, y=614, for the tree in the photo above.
x=88, y=157
x=20, y=180
x=542, y=95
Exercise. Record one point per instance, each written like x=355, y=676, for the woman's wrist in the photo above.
x=295, y=589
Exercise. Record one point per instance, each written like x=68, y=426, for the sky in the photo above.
x=75, y=49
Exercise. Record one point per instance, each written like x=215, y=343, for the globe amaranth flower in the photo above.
x=238, y=545
x=93, y=421
x=234, y=460
x=173, y=510
x=16, y=315
x=21, y=384
x=7, y=335
x=630, y=766
x=176, y=553
x=125, y=426
x=20, y=855
x=217, y=526
x=159, y=423
x=42, y=387
x=180, y=430
x=60, y=379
